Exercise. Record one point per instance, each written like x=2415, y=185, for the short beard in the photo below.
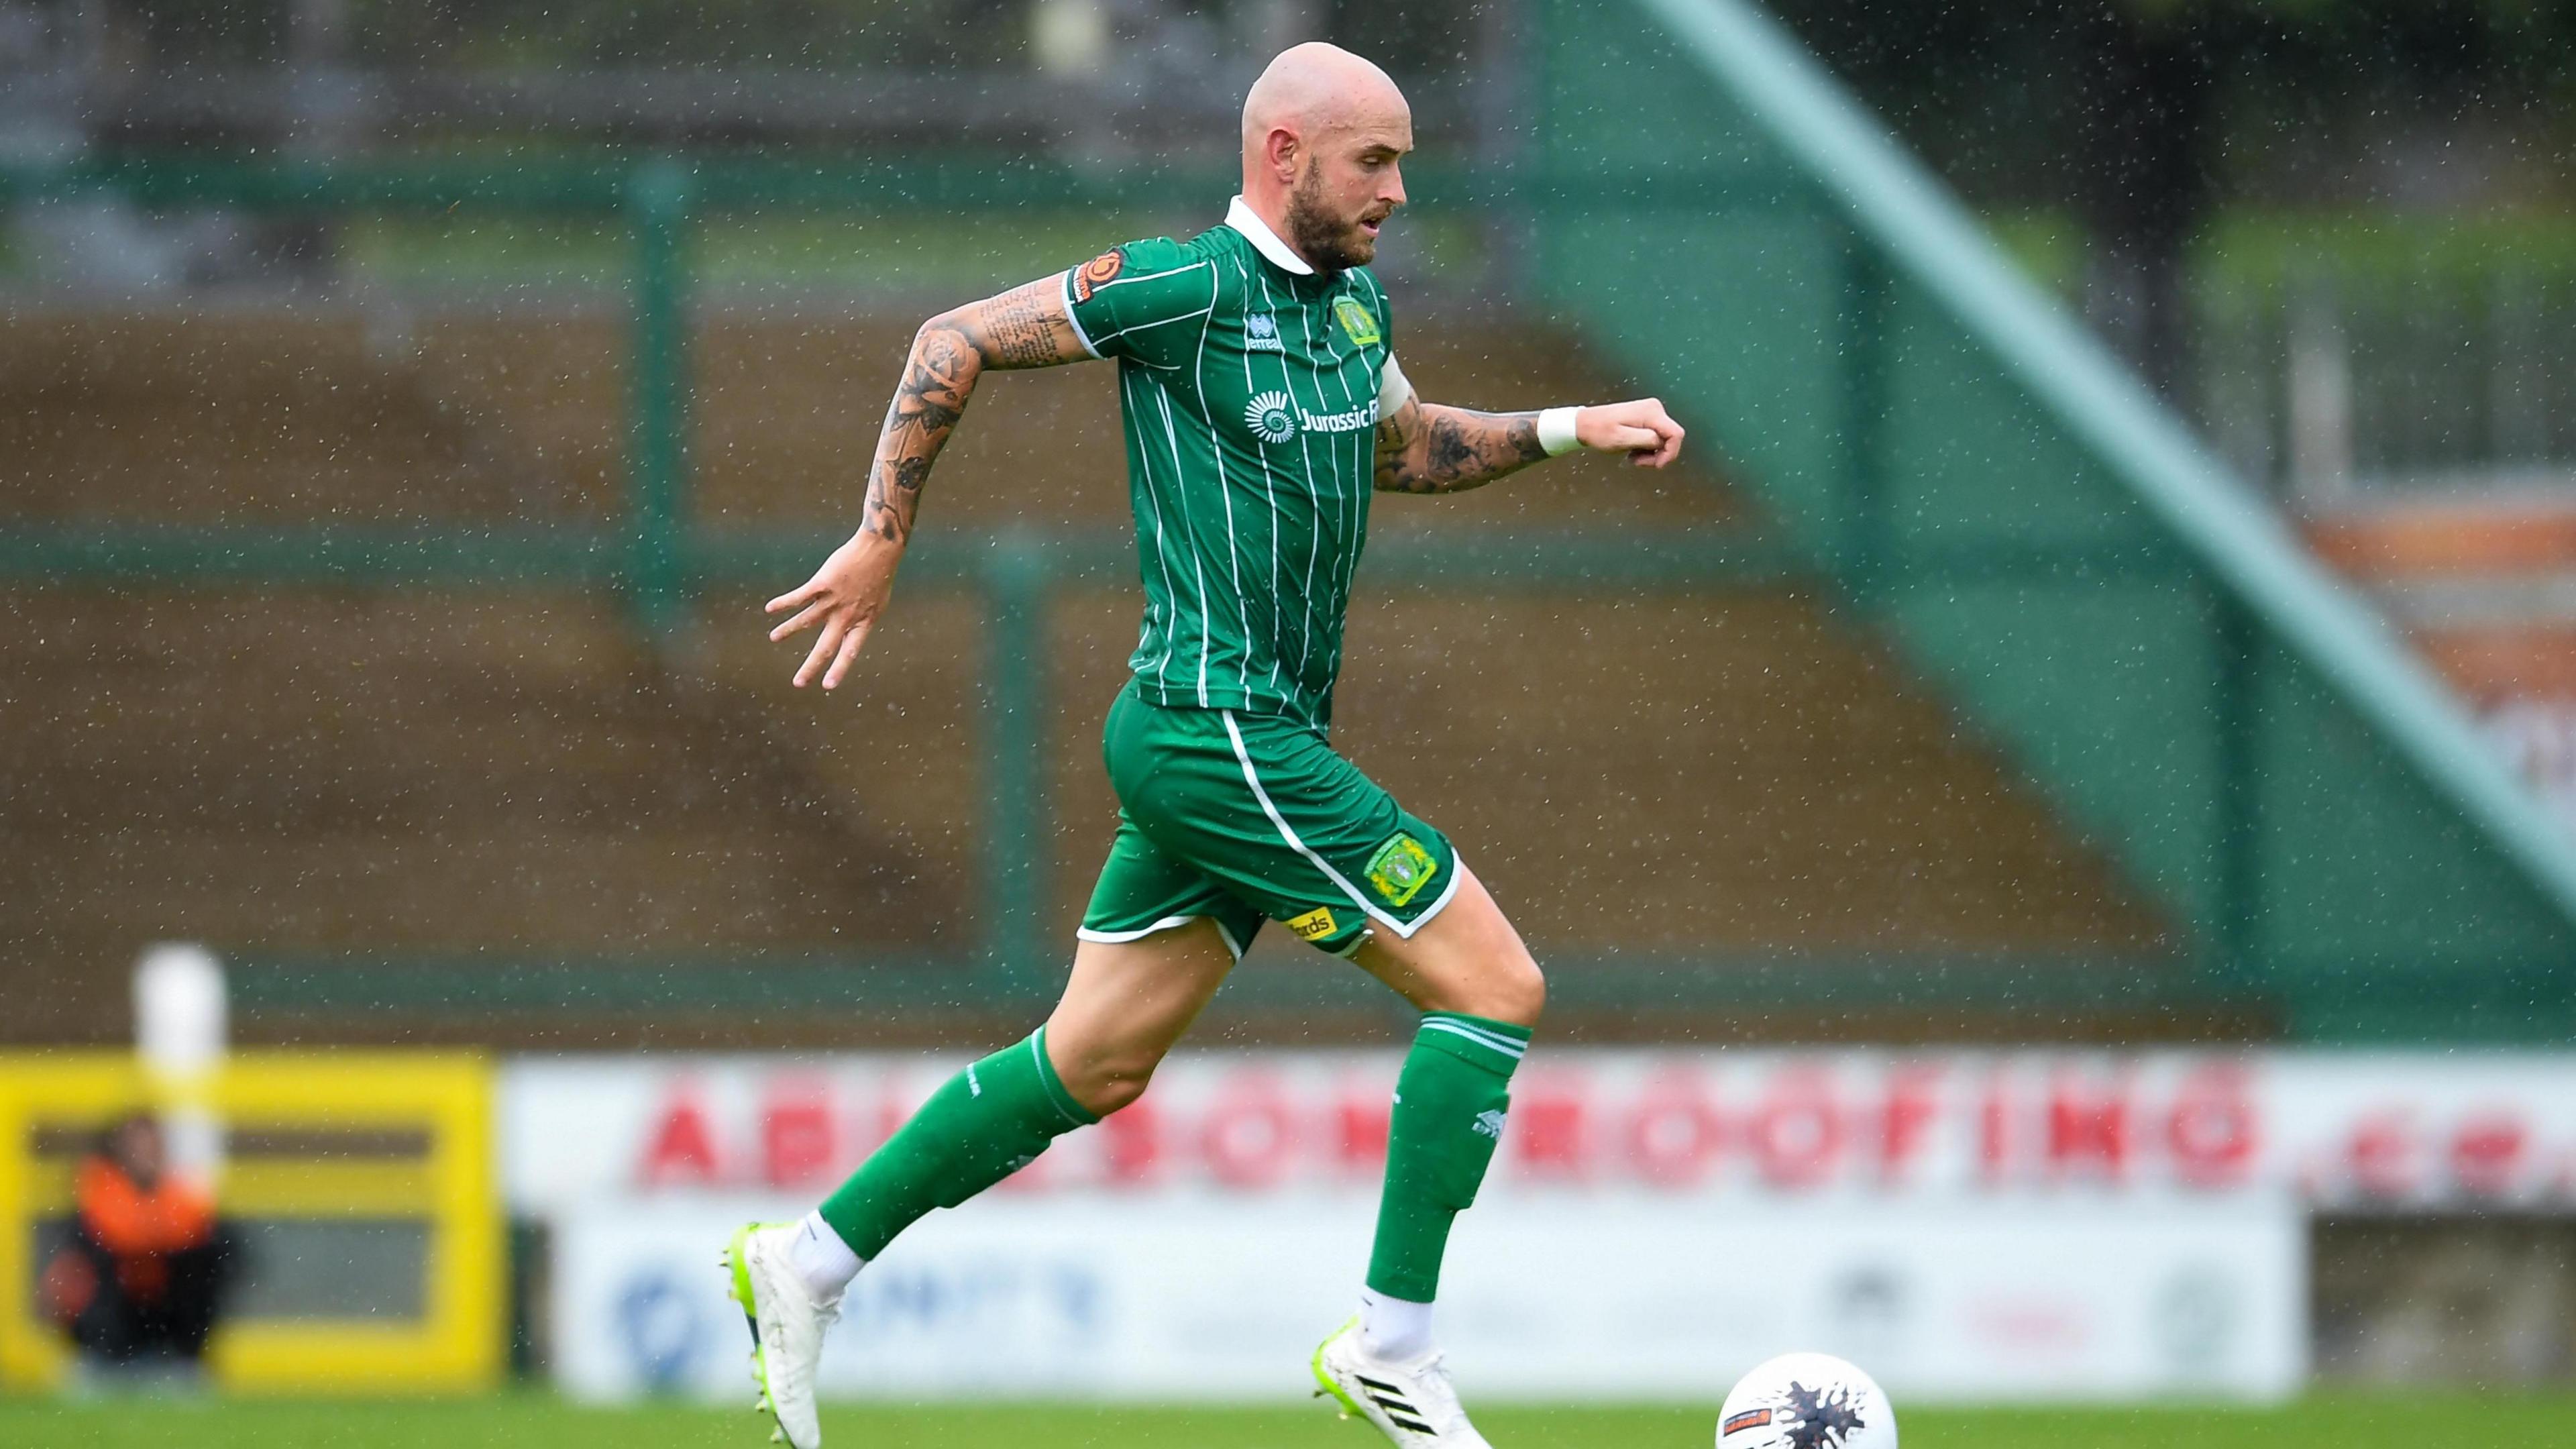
x=1333, y=246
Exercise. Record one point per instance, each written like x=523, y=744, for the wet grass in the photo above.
x=2470, y=1421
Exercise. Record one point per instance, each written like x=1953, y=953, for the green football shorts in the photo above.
x=1243, y=818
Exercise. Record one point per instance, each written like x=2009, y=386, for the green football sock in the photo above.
x=982, y=1125
x=1449, y=1105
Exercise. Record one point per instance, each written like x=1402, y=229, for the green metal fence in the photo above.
x=1940, y=446
x=2043, y=539
x=660, y=556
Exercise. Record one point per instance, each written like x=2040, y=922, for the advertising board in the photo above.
x=362, y=1181
x=2349, y=1131
x=1972, y=1225
x=1199, y=1295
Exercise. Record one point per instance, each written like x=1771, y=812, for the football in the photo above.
x=1806, y=1401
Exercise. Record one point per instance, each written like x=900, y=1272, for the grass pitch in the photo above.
x=537, y=1422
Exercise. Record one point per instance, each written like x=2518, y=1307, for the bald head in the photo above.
x=1315, y=88
x=1323, y=130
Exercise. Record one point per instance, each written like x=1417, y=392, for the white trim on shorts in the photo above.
x=1252, y=777
x=1440, y=902
x=1121, y=938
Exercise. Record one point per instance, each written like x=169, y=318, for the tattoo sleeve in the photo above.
x=1024, y=327
x=1429, y=448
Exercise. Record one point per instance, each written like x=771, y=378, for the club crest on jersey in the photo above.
x=1261, y=333
x=1270, y=417
x=1358, y=323
x=1401, y=868
x=1096, y=272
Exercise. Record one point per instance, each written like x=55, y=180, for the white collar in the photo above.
x=1240, y=215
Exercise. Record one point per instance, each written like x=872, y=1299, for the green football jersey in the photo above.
x=1249, y=384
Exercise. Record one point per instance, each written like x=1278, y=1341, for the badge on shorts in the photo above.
x=1358, y=321
x=1098, y=270
x=1401, y=868
x=1315, y=925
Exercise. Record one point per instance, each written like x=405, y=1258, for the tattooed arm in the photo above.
x=1432, y=448
x=1427, y=448
x=1024, y=327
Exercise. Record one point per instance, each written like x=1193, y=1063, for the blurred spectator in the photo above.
x=143, y=1280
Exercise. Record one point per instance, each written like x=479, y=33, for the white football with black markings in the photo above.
x=1806, y=1401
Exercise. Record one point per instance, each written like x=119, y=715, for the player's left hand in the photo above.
x=1641, y=429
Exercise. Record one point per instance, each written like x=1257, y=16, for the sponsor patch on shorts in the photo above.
x=1749, y=1419
x=1315, y=925
x=1401, y=868
x=1097, y=271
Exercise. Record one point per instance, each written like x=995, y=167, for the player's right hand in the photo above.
x=847, y=596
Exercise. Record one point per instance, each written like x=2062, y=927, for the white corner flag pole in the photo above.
x=179, y=1029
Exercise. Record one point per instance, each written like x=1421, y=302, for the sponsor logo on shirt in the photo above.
x=1315, y=925
x=1096, y=272
x=1270, y=417
x=1261, y=333
x=1349, y=422
x=1273, y=418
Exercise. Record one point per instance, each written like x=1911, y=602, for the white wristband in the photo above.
x=1556, y=431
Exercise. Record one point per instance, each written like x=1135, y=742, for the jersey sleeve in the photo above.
x=1136, y=301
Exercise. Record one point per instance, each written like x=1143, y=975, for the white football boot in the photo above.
x=787, y=1323
x=1410, y=1401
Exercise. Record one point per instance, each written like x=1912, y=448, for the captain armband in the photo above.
x=1394, y=390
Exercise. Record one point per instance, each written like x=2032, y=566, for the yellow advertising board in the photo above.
x=318, y=1138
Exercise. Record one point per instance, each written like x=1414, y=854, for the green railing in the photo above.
x=663, y=563
x=1914, y=995
x=661, y=557
x=2041, y=538
x=2150, y=665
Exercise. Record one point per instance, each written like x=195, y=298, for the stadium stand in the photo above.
x=2158, y=742
x=516, y=774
